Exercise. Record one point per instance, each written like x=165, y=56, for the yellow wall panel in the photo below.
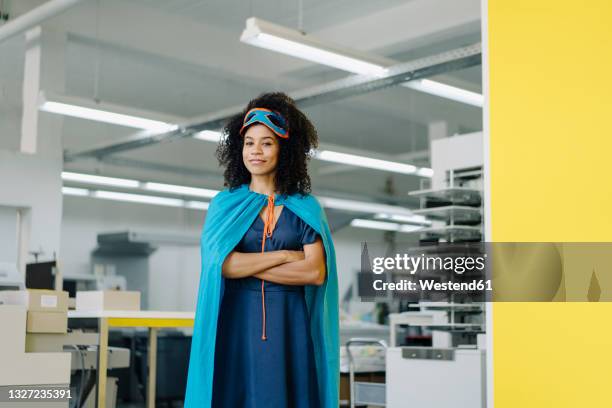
x=550, y=70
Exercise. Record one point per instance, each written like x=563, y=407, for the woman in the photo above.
x=266, y=329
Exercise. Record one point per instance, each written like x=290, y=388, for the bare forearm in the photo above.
x=242, y=264
x=305, y=272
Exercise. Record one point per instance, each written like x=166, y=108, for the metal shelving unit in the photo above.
x=449, y=196
x=453, y=214
x=452, y=233
x=455, y=210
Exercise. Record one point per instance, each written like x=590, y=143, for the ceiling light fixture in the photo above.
x=139, y=198
x=281, y=39
x=408, y=219
x=197, y=205
x=264, y=34
x=363, y=161
x=101, y=115
x=135, y=198
x=383, y=225
x=362, y=206
x=183, y=190
x=344, y=158
x=446, y=91
x=106, y=181
x=81, y=192
x=129, y=183
x=327, y=202
x=209, y=136
x=425, y=172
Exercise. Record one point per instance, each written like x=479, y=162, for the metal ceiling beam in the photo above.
x=460, y=58
x=34, y=17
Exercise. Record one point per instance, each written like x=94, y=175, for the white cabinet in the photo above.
x=424, y=377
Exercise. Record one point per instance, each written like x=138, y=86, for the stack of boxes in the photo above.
x=36, y=312
x=47, y=309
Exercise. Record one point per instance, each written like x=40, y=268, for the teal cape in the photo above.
x=229, y=216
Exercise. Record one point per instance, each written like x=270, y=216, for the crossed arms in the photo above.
x=285, y=267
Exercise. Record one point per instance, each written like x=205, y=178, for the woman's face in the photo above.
x=260, y=150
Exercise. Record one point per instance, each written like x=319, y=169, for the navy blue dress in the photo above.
x=278, y=372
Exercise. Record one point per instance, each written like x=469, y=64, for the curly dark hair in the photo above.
x=292, y=170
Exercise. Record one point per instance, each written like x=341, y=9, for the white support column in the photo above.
x=488, y=232
x=31, y=177
x=44, y=69
x=437, y=130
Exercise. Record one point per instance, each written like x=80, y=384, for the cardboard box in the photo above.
x=107, y=300
x=45, y=342
x=20, y=368
x=47, y=322
x=36, y=300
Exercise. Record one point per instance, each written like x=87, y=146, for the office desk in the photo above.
x=153, y=320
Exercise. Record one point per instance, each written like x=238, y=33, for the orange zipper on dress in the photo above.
x=267, y=233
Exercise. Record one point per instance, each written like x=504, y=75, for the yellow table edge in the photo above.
x=148, y=322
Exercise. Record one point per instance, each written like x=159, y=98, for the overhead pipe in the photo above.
x=34, y=17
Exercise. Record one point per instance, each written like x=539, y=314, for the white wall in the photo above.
x=33, y=183
x=347, y=243
x=456, y=152
x=31, y=155
x=8, y=234
x=174, y=270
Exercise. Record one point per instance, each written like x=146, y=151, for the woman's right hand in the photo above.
x=292, y=256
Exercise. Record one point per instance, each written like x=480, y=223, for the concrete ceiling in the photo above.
x=184, y=58
x=231, y=14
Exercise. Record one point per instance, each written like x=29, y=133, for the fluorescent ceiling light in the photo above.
x=128, y=183
x=107, y=181
x=106, y=116
x=328, y=202
x=425, y=172
x=135, y=198
x=345, y=158
x=273, y=37
x=138, y=198
x=209, y=136
x=197, y=205
x=82, y=192
x=446, y=91
x=410, y=219
x=369, y=162
x=362, y=206
x=184, y=190
x=382, y=225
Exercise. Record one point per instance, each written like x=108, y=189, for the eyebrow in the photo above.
x=263, y=138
